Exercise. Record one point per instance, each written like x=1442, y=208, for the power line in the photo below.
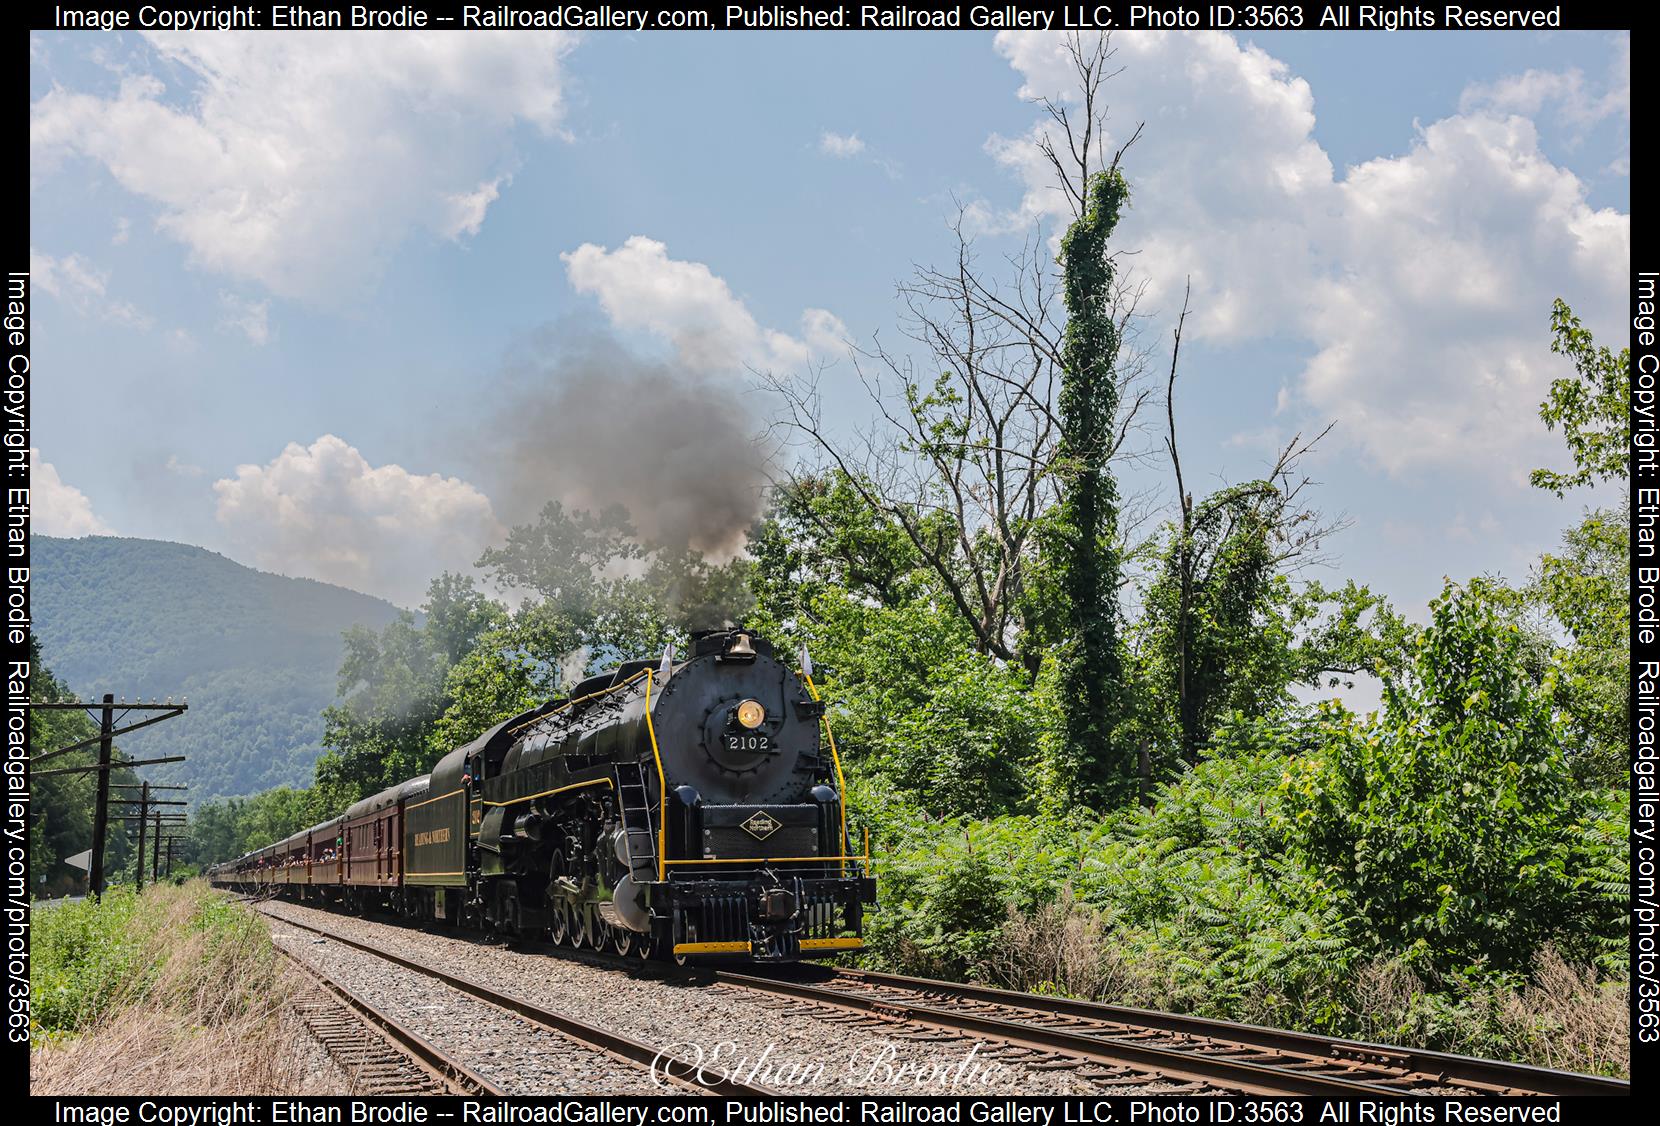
x=103, y=768
x=107, y=716
x=104, y=712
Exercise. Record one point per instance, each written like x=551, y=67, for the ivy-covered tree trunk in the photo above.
x=1094, y=771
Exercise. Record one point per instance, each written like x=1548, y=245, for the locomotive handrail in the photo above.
x=569, y=704
x=429, y=801
x=557, y=790
x=662, y=787
x=841, y=783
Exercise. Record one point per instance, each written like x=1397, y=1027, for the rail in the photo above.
x=686, y=1073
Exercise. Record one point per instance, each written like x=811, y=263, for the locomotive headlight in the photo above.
x=751, y=714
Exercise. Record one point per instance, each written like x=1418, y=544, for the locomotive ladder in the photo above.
x=634, y=807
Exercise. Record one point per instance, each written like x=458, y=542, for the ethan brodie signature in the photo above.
x=877, y=1065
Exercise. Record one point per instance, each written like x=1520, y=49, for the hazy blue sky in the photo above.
x=306, y=299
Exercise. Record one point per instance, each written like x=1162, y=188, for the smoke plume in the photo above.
x=586, y=423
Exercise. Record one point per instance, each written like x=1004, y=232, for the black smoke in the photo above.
x=581, y=420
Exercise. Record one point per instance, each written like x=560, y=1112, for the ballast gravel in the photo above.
x=518, y=1056
x=793, y=1047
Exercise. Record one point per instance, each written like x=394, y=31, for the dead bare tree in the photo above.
x=1273, y=510
x=962, y=455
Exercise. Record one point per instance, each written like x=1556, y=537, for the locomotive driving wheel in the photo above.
x=582, y=926
x=560, y=919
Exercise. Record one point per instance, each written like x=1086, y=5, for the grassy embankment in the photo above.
x=176, y=991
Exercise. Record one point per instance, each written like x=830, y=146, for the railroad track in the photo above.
x=1239, y=1056
x=673, y=1068
x=1117, y=1045
x=378, y=1053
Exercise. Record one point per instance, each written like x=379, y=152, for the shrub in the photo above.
x=1452, y=824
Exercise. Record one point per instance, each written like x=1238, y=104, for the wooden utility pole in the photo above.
x=107, y=731
x=143, y=817
x=101, y=814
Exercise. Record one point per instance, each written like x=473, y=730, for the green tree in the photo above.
x=510, y=669
x=392, y=692
x=562, y=558
x=1081, y=536
x=1586, y=588
x=1451, y=822
x=1593, y=407
x=577, y=563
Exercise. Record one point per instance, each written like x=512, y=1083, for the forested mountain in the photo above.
x=256, y=653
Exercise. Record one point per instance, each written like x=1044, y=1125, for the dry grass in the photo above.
x=1062, y=948
x=1564, y=1016
x=1569, y=1019
x=135, y=1052
x=176, y=992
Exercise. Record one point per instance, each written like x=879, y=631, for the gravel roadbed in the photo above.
x=518, y=1056
x=793, y=1047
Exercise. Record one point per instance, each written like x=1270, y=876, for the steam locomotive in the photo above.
x=684, y=810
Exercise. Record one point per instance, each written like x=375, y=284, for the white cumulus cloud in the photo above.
x=467, y=209
x=1423, y=281
x=1578, y=100
x=839, y=146
x=84, y=288
x=323, y=512
x=59, y=509
x=301, y=160
x=642, y=289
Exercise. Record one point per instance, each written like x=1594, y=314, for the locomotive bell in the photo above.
x=740, y=649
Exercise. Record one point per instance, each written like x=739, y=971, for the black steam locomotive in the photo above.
x=686, y=810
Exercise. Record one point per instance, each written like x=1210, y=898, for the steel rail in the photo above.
x=1393, y=1070
x=1237, y=1075
x=1446, y=1068
x=623, y=1047
x=425, y=1055
x=1370, y=1069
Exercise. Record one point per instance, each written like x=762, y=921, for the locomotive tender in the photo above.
x=686, y=810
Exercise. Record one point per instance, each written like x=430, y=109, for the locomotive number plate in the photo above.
x=748, y=742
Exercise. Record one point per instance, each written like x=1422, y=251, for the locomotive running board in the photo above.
x=744, y=947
